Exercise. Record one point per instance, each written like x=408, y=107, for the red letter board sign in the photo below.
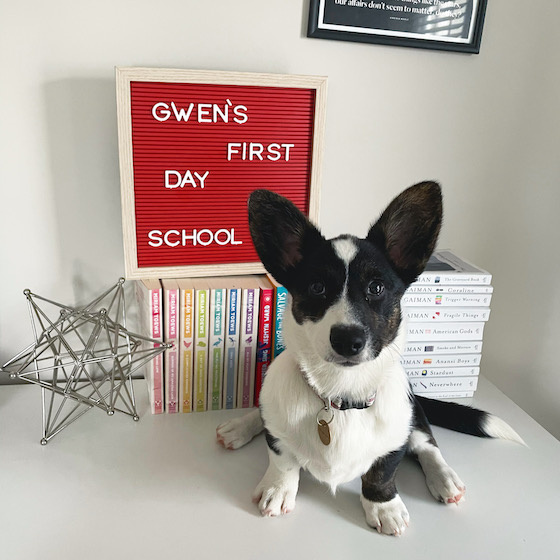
x=193, y=146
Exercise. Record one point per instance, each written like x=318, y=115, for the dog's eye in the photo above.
x=317, y=289
x=375, y=289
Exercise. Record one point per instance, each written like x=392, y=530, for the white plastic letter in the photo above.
x=202, y=178
x=205, y=232
x=231, y=149
x=233, y=242
x=155, y=238
x=227, y=238
x=240, y=115
x=287, y=147
x=255, y=149
x=168, y=174
x=162, y=115
x=186, y=237
x=181, y=114
x=274, y=152
x=188, y=178
x=166, y=238
x=204, y=113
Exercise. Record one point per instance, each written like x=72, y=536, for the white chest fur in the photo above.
x=289, y=409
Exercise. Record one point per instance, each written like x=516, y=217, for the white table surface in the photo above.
x=109, y=487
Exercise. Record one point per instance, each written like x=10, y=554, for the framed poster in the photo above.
x=193, y=145
x=429, y=24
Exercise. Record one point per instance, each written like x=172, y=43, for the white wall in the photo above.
x=486, y=126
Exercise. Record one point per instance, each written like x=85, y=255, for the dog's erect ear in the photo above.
x=280, y=232
x=408, y=229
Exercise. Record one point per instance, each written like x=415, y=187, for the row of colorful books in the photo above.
x=224, y=333
x=447, y=309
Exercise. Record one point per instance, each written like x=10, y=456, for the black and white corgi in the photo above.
x=337, y=401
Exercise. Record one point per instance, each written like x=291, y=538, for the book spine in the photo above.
x=156, y=382
x=201, y=351
x=149, y=303
x=446, y=300
x=448, y=395
x=232, y=348
x=216, y=348
x=280, y=304
x=444, y=331
x=247, y=348
x=264, y=339
x=440, y=360
x=158, y=385
x=460, y=371
x=427, y=347
x=445, y=315
x=187, y=355
x=463, y=278
x=431, y=385
x=172, y=355
x=456, y=290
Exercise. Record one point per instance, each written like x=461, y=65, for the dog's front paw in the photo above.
x=276, y=497
x=445, y=486
x=389, y=518
x=235, y=433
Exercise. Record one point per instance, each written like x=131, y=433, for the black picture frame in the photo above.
x=427, y=24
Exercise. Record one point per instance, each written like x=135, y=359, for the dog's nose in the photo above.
x=347, y=340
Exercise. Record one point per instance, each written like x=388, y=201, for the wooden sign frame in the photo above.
x=126, y=79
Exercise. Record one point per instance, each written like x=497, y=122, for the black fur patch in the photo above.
x=321, y=266
x=453, y=416
x=409, y=227
x=378, y=484
x=420, y=422
x=379, y=314
x=272, y=442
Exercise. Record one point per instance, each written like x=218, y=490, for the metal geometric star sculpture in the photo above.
x=84, y=357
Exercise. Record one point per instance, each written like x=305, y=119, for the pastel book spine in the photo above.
x=428, y=347
x=446, y=300
x=444, y=331
x=280, y=305
x=460, y=371
x=440, y=360
x=171, y=336
x=186, y=360
x=473, y=289
x=231, y=362
x=442, y=385
x=264, y=339
x=201, y=349
x=148, y=294
x=216, y=347
x=445, y=315
x=248, y=347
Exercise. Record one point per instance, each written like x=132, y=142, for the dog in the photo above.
x=337, y=401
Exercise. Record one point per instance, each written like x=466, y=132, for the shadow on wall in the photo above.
x=81, y=118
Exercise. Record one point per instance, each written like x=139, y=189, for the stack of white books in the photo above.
x=446, y=310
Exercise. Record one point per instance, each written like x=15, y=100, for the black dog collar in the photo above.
x=339, y=403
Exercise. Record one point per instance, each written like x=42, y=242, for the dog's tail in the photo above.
x=467, y=420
